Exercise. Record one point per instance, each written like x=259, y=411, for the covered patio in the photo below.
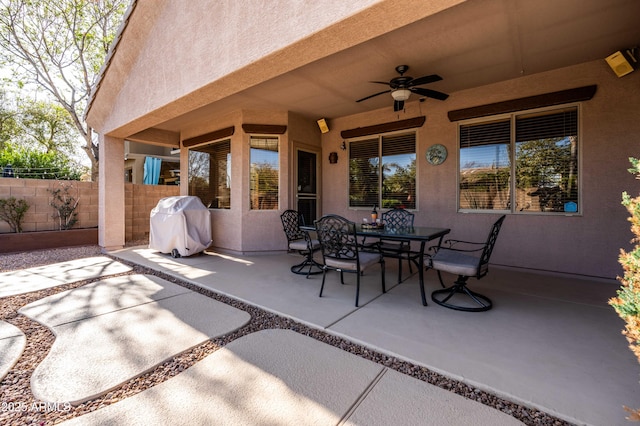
x=551, y=342
x=213, y=81
x=221, y=82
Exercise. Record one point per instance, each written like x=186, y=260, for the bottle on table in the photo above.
x=374, y=215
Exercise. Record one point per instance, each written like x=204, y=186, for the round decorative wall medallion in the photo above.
x=436, y=154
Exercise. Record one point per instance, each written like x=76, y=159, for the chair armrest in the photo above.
x=451, y=247
x=452, y=242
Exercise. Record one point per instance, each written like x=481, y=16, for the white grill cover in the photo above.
x=181, y=223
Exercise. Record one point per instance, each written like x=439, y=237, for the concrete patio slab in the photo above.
x=258, y=280
x=82, y=269
x=400, y=399
x=12, y=343
x=109, y=295
x=280, y=377
x=92, y=355
x=39, y=278
x=19, y=282
x=531, y=349
x=551, y=341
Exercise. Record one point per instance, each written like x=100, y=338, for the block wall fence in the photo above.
x=139, y=200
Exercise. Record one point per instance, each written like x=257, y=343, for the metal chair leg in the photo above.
x=324, y=275
x=308, y=262
x=460, y=287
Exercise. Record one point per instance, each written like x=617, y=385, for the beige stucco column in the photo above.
x=111, y=215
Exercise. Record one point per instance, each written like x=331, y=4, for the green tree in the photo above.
x=32, y=164
x=45, y=126
x=9, y=128
x=60, y=47
x=363, y=181
x=549, y=164
x=399, y=185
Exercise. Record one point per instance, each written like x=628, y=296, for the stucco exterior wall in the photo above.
x=240, y=229
x=586, y=244
x=162, y=40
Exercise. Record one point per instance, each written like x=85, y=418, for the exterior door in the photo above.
x=307, y=185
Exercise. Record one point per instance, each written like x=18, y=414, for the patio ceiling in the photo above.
x=476, y=43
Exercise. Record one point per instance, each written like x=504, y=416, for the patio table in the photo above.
x=422, y=234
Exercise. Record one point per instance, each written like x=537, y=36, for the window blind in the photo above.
x=401, y=144
x=485, y=133
x=548, y=125
x=265, y=175
x=209, y=174
x=364, y=173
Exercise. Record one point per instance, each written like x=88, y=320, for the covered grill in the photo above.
x=180, y=226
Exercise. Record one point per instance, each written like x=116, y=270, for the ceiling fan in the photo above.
x=402, y=87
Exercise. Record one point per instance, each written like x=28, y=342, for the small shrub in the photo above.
x=12, y=211
x=65, y=206
x=627, y=304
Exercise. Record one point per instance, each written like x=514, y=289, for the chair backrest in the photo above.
x=397, y=218
x=488, y=248
x=337, y=237
x=291, y=221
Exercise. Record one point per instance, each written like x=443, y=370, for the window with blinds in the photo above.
x=382, y=172
x=527, y=162
x=264, y=173
x=210, y=174
x=485, y=166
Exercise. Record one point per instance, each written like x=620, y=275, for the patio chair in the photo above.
x=461, y=261
x=398, y=218
x=341, y=251
x=300, y=241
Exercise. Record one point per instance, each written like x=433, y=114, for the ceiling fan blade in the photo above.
x=425, y=80
x=386, y=83
x=398, y=106
x=429, y=93
x=371, y=96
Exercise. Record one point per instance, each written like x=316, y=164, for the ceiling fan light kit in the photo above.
x=401, y=94
x=403, y=86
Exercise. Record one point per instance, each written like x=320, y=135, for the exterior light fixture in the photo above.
x=624, y=62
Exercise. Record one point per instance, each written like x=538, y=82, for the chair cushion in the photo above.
x=302, y=245
x=455, y=262
x=344, y=264
x=366, y=259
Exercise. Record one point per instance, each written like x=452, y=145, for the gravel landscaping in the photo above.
x=19, y=407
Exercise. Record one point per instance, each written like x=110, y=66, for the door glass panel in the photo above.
x=307, y=186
